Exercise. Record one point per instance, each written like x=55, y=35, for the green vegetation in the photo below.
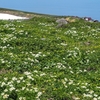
x=39, y=61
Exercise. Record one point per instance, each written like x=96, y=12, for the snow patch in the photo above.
x=10, y=17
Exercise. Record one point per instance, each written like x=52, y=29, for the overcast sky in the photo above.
x=81, y=8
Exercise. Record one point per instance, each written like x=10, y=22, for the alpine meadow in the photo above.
x=41, y=60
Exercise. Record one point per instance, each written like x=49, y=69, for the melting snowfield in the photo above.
x=10, y=17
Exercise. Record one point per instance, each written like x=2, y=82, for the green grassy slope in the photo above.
x=39, y=61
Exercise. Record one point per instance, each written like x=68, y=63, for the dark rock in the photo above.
x=96, y=21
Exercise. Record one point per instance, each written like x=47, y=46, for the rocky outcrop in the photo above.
x=61, y=22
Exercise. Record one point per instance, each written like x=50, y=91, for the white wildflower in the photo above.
x=95, y=95
x=22, y=98
x=23, y=88
x=63, y=44
x=2, y=94
x=42, y=74
x=76, y=98
x=35, y=71
x=39, y=94
x=27, y=73
x=98, y=87
x=71, y=82
x=87, y=95
x=5, y=90
x=98, y=98
x=14, y=78
x=91, y=91
x=30, y=77
x=12, y=88
x=5, y=78
x=83, y=86
x=95, y=99
x=36, y=89
x=18, y=81
x=3, y=83
x=71, y=72
x=5, y=96
x=21, y=78
x=65, y=79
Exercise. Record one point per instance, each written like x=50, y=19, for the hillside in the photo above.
x=21, y=13
x=40, y=61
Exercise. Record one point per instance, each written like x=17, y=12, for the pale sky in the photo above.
x=81, y=8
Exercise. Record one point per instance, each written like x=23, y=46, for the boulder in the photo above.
x=61, y=22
